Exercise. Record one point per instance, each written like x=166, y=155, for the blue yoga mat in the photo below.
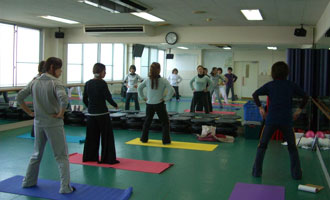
x=49, y=189
x=69, y=139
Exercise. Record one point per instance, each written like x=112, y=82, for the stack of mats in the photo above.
x=180, y=124
x=74, y=118
x=118, y=120
x=135, y=121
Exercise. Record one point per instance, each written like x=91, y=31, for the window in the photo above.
x=82, y=57
x=118, y=63
x=89, y=59
x=149, y=56
x=106, y=59
x=6, y=55
x=19, y=54
x=74, y=67
x=27, y=55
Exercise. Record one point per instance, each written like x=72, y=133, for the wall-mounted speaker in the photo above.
x=59, y=35
x=169, y=56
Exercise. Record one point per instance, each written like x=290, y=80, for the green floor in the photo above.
x=195, y=175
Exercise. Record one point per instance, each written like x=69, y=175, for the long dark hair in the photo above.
x=154, y=74
x=213, y=74
x=52, y=61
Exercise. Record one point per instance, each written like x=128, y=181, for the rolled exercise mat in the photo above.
x=310, y=188
x=175, y=145
x=125, y=164
x=48, y=189
x=245, y=191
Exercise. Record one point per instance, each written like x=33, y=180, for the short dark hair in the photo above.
x=229, y=68
x=132, y=67
x=98, y=68
x=280, y=70
x=41, y=68
x=219, y=69
x=175, y=69
x=52, y=61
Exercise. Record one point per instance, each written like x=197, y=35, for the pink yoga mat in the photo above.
x=214, y=112
x=125, y=164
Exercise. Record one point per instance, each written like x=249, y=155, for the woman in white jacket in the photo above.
x=174, y=80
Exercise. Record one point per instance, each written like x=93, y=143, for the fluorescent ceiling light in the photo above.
x=183, y=48
x=109, y=9
x=58, y=19
x=253, y=14
x=272, y=48
x=227, y=48
x=90, y=3
x=148, y=16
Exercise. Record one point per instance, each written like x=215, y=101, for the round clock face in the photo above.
x=171, y=38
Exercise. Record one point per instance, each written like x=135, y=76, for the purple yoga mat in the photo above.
x=245, y=191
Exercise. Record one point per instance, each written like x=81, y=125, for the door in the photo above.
x=247, y=78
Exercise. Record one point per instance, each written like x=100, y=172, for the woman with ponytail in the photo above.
x=96, y=93
x=155, y=102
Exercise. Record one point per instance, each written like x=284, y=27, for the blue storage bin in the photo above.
x=251, y=112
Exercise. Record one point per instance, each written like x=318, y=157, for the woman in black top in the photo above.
x=96, y=93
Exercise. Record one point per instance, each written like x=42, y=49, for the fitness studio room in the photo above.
x=165, y=100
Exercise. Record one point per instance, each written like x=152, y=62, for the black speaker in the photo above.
x=138, y=50
x=327, y=34
x=300, y=32
x=59, y=35
x=169, y=56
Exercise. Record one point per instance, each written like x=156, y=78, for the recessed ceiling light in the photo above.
x=227, y=47
x=199, y=12
x=272, y=48
x=58, y=19
x=252, y=14
x=148, y=16
x=183, y=48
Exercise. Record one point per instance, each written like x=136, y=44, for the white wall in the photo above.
x=217, y=58
x=186, y=61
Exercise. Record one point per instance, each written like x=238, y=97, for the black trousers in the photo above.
x=200, y=99
x=133, y=95
x=161, y=111
x=99, y=126
x=176, y=89
x=5, y=96
x=289, y=136
x=232, y=92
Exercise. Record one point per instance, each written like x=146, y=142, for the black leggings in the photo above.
x=161, y=111
x=134, y=96
x=200, y=99
x=289, y=136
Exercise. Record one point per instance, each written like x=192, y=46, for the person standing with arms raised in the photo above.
x=155, y=102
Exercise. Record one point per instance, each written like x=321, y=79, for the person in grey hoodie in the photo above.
x=155, y=102
x=131, y=81
x=49, y=103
